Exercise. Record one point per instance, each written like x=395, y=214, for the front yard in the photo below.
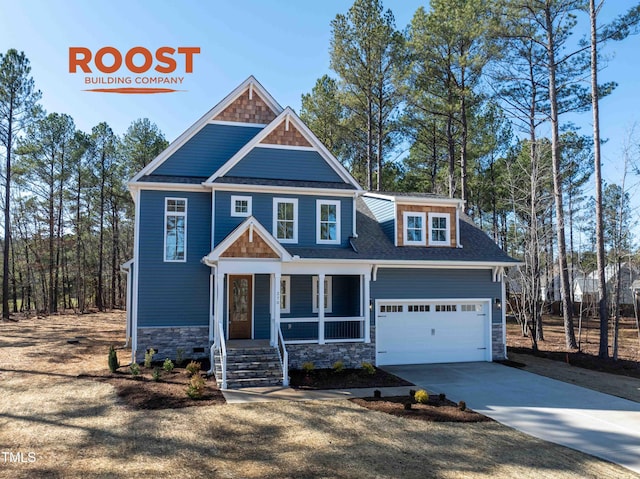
x=77, y=427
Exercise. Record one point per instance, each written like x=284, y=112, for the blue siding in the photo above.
x=262, y=209
x=384, y=211
x=207, y=150
x=261, y=310
x=436, y=283
x=280, y=164
x=345, y=297
x=173, y=294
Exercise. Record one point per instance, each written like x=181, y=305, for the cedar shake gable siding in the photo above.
x=281, y=136
x=243, y=109
x=451, y=211
x=243, y=248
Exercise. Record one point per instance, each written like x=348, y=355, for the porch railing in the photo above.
x=336, y=330
x=221, y=348
x=284, y=357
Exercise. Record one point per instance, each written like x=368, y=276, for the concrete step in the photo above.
x=247, y=383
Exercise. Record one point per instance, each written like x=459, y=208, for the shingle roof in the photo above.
x=373, y=244
x=290, y=183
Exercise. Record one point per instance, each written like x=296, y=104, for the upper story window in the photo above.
x=328, y=306
x=285, y=294
x=175, y=229
x=439, y=229
x=240, y=205
x=327, y=221
x=285, y=219
x=414, y=228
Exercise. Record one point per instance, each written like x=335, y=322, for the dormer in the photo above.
x=417, y=220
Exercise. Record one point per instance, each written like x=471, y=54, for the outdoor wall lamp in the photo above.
x=498, y=302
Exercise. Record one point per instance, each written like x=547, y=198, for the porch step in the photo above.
x=251, y=367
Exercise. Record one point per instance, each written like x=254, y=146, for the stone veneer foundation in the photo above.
x=193, y=340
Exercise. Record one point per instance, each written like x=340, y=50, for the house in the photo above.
x=586, y=288
x=251, y=236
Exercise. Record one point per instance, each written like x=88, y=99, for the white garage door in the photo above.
x=445, y=331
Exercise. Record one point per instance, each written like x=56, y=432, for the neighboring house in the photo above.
x=250, y=232
x=585, y=288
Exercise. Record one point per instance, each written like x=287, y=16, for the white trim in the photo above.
x=177, y=214
x=161, y=186
x=319, y=205
x=204, y=120
x=136, y=274
x=236, y=123
x=214, y=257
x=253, y=306
x=395, y=224
x=458, y=245
x=433, y=242
x=213, y=219
x=212, y=288
x=328, y=281
x=244, y=214
x=285, y=147
x=286, y=279
x=293, y=190
x=416, y=200
x=287, y=115
x=276, y=202
x=354, y=214
x=405, y=228
x=503, y=318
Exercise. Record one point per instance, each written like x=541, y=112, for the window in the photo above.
x=175, y=229
x=285, y=294
x=285, y=219
x=391, y=308
x=446, y=308
x=418, y=308
x=327, y=294
x=414, y=229
x=439, y=229
x=327, y=222
x=241, y=206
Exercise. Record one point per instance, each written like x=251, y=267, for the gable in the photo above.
x=250, y=245
x=207, y=150
x=249, y=107
x=286, y=134
x=283, y=164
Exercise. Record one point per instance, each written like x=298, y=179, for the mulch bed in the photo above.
x=169, y=392
x=623, y=367
x=436, y=410
x=347, y=378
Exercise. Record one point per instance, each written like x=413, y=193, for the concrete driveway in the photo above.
x=599, y=424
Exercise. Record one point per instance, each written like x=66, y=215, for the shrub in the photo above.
x=179, y=356
x=135, y=369
x=156, y=374
x=369, y=368
x=167, y=365
x=195, y=390
x=407, y=405
x=193, y=368
x=308, y=367
x=377, y=394
x=338, y=367
x=442, y=396
x=148, y=357
x=462, y=406
x=421, y=396
x=412, y=392
x=113, y=362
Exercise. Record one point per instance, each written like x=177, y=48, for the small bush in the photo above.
x=167, y=365
x=442, y=396
x=407, y=405
x=193, y=368
x=135, y=369
x=308, y=367
x=421, y=396
x=195, y=390
x=369, y=368
x=412, y=392
x=157, y=373
x=113, y=362
x=338, y=367
x=148, y=357
x=377, y=394
x=462, y=406
x=179, y=356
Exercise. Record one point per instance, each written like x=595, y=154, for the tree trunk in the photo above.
x=570, y=337
x=603, y=351
x=7, y=220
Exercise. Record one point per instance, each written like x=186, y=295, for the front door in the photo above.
x=240, y=306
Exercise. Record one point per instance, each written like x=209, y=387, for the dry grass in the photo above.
x=77, y=428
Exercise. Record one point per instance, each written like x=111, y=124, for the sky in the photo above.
x=284, y=44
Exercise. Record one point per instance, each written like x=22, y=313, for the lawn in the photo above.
x=77, y=427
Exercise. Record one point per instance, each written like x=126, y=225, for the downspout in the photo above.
x=136, y=274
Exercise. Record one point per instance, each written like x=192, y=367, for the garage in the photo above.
x=435, y=331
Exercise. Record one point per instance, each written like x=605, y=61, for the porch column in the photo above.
x=366, y=299
x=219, y=289
x=321, y=308
x=277, y=283
x=212, y=302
